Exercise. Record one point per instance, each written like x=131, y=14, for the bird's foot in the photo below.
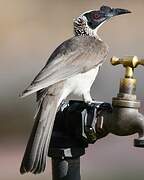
x=95, y=103
x=63, y=105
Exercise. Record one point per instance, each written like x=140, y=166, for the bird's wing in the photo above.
x=69, y=59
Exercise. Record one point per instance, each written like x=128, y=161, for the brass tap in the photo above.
x=126, y=96
x=125, y=118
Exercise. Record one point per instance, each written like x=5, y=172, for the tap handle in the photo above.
x=129, y=61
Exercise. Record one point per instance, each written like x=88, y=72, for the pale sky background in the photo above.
x=29, y=31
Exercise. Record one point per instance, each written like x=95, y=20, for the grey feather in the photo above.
x=34, y=159
x=74, y=56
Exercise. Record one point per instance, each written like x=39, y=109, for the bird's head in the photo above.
x=89, y=22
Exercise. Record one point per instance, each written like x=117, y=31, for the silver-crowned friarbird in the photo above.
x=72, y=68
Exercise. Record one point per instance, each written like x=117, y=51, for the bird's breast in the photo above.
x=82, y=82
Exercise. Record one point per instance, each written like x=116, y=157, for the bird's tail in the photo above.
x=34, y=159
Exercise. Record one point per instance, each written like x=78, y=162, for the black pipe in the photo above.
x=67, y=142
x=73, y=131
x=66, y=169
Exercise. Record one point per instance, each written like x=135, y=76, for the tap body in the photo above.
x=125, y=118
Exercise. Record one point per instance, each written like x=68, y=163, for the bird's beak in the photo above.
x=118, y=11
x=109, y=12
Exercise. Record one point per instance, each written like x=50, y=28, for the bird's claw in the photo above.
x=63, y=105
x=95, y=104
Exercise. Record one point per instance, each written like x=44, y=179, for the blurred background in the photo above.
x=29, y=31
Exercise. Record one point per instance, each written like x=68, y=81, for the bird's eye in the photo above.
x=96, y=16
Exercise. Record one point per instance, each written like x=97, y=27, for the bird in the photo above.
x=71, y=68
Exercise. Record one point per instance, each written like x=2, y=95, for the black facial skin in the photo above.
x=93, y=23
x=95, y=18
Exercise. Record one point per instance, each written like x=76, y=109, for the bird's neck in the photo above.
x=81, y=30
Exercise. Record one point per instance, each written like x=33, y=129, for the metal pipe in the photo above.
x=66, y=169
